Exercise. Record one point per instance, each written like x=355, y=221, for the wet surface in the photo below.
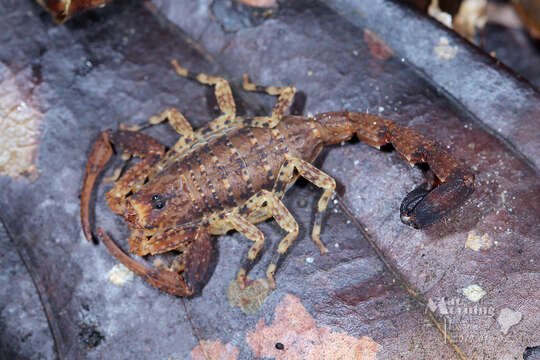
x=380, y=280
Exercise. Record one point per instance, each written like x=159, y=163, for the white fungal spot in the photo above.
x=119, y=275
x=444, y=51
x=477, y=242
x=473, y=292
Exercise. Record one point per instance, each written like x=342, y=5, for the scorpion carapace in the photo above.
x=233, y=172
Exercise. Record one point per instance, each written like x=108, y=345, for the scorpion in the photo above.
x=233, y=172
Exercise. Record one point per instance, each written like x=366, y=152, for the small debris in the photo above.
x=473, y=292
x=279, y=346
x=90, y=335
x=508, y=318
x=444, y=50
x=477, y=242
x=119, y=275
x=309, y=260
x=251, y=299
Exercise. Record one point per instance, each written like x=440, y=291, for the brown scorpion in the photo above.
x=233, y=172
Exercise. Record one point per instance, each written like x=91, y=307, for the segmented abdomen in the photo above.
x=228, y=168
x=231, y=167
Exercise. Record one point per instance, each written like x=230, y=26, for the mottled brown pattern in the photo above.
x=233, y=173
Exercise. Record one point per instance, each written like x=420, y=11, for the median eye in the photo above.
x=159, y=203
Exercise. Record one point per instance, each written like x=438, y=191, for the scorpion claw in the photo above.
x=165, y=280
x=426, y=205
x=197, y=260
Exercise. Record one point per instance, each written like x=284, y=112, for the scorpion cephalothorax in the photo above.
x=233, y=173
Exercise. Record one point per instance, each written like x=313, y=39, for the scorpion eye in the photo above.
x=159, y=204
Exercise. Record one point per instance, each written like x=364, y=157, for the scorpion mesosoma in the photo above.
x=233, y=172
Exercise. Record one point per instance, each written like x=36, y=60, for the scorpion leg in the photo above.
x=451, y=184
x=134, y=143
x=193, y=271
x=283, y=217
x=244, y=227
x=285, y=97
x=316, y=177
x=179, y=124
x=224, y=98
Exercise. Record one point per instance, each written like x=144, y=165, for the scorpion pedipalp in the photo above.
x=196, y=264
x=99, y=156
x=134, y=143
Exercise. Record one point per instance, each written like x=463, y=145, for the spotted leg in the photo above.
x=251, y=212
x=179, y=124
x=133, y=143
x=224, y=98
x=250, y=231
x=285, y=97
x=315, y=176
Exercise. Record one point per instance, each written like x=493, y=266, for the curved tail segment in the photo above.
x=448, y=188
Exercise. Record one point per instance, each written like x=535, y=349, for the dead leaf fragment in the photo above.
x=19, y=132
x=508, y=318
x=477, y=242
x=301, y=338
x=209, y=349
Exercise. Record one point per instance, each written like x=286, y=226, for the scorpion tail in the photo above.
x=450, y=183
x=99, y=156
